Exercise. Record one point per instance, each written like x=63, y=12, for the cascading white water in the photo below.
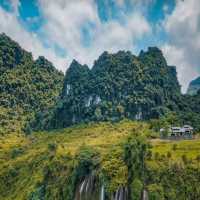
x=145, y=195
x=82, y=187
x=121, y=194
x=89, y=189
x=116, y=194
x=102, y=193
x=88, y=184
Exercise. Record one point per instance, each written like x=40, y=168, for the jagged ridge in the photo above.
x=118, y=85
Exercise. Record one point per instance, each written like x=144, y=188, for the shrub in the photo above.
x=136, y=189
x=16, y=152
x=52, y=147
x=169, y=155
x=174, y=147
x=184, y=159
x=149, y=155
x=198, y=158
x=156, y=192
x=88, y=159
x=157, y=156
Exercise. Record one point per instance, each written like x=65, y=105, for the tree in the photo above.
x=135, y=152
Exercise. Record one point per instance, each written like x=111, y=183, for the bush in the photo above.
x=27, y=129
x=169, y=155
x=156, y=192
x=198, y=158
x=184, y=159
x=174, y=147
x=157, y=156
x=136, y=189
x=88, y=160
x=149, y=155
x=52, y=147
x=16, y=152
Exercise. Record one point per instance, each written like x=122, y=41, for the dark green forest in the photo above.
x=120, y=86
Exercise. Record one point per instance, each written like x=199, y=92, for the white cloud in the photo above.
x=10, y=25
x=175, y=57
x=183, y=48
x=66, y=18
x=64, y=21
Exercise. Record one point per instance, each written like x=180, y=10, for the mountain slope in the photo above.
x=26, y=86
x=119, y=85
x=194, y=86
x=11, y=54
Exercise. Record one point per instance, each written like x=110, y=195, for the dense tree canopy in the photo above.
x=26, y=86
x=119, y=85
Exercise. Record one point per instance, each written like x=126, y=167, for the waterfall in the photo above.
x=145, y=195
x=88, y=189
x=121, y=194
x=116, y=195
x=102, y=193
x=82, y=187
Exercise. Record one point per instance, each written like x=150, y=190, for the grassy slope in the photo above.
x=189, y=148
x=23, y=160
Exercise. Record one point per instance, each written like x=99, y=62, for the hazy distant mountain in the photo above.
x=194, y=86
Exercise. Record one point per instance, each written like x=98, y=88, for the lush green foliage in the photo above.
x=51, y=166
x=189, y=113
x=119, y=85
x=26, y=86
x=190, y=110
x=135, y=152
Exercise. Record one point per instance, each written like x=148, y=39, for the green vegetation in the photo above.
x=121, y=86
x=119, y=154
x=49, y=166
x=54, y=160
x=26, y=86
x=118, y=86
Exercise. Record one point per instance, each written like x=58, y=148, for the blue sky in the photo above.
x=63, y=30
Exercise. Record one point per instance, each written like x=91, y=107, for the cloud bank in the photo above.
x=68, y=22
x=183, y=47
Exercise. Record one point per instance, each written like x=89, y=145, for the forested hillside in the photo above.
x=118, y=86
x=92, y=160
x=26, y=86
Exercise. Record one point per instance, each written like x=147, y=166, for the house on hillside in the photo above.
x=185, y=132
